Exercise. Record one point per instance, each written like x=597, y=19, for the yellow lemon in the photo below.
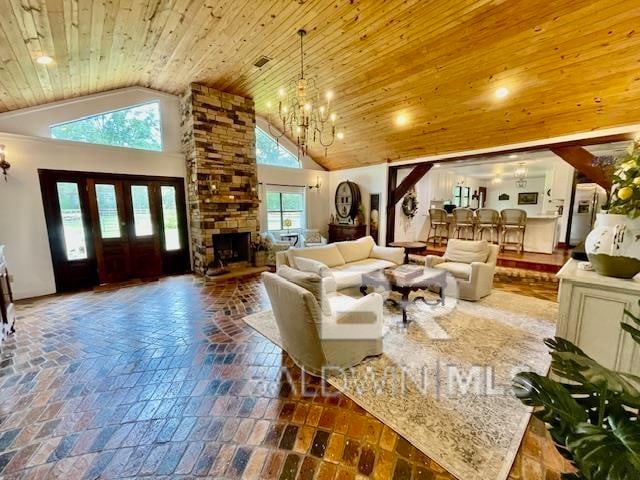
x=636, y=181
x=625, y=193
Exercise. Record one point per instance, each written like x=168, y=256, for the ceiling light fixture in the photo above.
x=44, y=60
x=340, y=136
x=302, y=114
x=513, y=155
x=401, y=120
x=502, y=92
x=520, y=175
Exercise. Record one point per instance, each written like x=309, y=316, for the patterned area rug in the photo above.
x=444, y=382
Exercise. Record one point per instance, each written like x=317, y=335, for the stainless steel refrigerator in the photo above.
x=587, y=201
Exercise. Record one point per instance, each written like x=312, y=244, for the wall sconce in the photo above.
x=317, y=185
x=4, y=165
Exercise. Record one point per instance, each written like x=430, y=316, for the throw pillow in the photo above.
x=466, y=251
x=319, y=268
x=313, y=236
x=310, y=282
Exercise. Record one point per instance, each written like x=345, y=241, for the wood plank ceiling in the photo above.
x=569, y=65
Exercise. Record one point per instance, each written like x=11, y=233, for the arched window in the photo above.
x=269, y=152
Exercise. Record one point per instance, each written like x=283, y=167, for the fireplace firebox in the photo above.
x=231, y=248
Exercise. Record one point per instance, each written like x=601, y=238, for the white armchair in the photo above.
x=322, y=330
x=311, y=238
x=471, y=263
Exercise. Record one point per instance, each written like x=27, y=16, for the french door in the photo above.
x=111, y=228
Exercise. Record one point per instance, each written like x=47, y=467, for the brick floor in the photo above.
x=164, y=379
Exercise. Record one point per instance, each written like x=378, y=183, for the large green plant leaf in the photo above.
x=560, y=344
x=552, y=402
x=579, y=368
x=607, y=453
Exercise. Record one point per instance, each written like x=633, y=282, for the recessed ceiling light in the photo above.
x=513, y=155
x=401, y=120
x=502, y=92
x=340, y=135
x=44, y=60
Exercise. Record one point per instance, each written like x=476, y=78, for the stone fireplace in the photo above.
x=218, y=138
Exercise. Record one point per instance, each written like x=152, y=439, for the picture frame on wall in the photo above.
x=528, y=198
x=374, y=217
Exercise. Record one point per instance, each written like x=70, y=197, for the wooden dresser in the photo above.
x=7, y=309
x=591, y=309
x=340, y=233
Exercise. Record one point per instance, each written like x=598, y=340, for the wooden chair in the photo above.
x=438, y=219
x=513, y=223
x=488, y=220
x=464, y=222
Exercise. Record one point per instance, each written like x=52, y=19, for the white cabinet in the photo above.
x=591, y=309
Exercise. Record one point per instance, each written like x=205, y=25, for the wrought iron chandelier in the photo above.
x=302, y=113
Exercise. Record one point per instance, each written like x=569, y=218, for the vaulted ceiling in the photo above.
x=569, y=66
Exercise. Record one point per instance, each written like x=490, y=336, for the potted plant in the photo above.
x=259, y=249
x=613, y=246
x=592, y=417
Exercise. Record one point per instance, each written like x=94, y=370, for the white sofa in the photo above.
x=320, y=328
x=471, y=263
x=348, y=260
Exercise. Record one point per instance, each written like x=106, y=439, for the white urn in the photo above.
x=613, y=246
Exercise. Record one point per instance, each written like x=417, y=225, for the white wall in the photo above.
x=371, y=179
x=22, y=224
x=408, y=230
x=508, y=186
x=317, y=199
x=35, y=121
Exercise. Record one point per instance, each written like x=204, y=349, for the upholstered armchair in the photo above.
x=274, y=246
x=471, y=263
x=321, y=330
x=311, y=238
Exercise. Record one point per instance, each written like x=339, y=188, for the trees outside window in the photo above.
x=269, y=152
x=132, y=127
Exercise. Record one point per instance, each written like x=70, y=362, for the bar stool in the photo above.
x=438, y=219
x=464, y=221
x=514, y=222
x=488, y=219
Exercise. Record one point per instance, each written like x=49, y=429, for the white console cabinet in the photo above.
x=591, y=309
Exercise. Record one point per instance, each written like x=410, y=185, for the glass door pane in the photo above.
x=141, y=210
x=72, y=225
x=170, y=218
x=108, y=210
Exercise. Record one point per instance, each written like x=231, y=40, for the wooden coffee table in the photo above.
x=432, y=278
x=409, y=247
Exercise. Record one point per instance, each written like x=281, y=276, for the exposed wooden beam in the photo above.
x=410, y=180
x=395, y=193
x=392, y=180
x=582, y=160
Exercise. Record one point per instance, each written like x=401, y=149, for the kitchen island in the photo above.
x=542, y=233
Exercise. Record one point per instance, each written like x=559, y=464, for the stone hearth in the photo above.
x=218, y=138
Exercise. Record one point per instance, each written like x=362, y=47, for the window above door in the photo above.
x=135, y=127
